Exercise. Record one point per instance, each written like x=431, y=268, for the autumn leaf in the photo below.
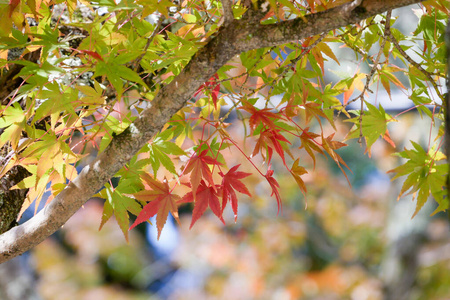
x=270, y=140
x=205, y=196
x=327, y=50
x=297, y=171
x=232, y=181
x=161, y=202
x=313, y=109
x=386, y=76
x=198, y=166
x=275, y=186
x=211, y=83
x=307, y=138
x=264, y=116
x=12, y=6
x=330, y=146
x=93, y=54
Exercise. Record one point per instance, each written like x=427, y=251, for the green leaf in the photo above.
x=12, y=114
x=92, y=96
x=159, y=150
x=120, y=205
x=374, y=125
x=118, y=125
x=424, y=176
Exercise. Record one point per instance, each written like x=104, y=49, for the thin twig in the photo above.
x=287, y=68
x=415, y=64
x=371, y=73
x=149, y=41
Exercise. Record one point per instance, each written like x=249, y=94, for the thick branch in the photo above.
x=231, y=40
x=228, y=16
x=259, y=36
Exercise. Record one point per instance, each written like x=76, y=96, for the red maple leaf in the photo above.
x=94, y=54
x=162, y=201
x=275, y=186
x=270, y=139
x=205, y=196
x=230, y=182
x=212, y=82
x=12, y=6
x=198, y=167
x=264, y=116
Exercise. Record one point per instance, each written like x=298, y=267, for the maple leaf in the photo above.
x=159, y=150
x=118, y=204
x=212, y=82
x=297, y=171
x=264, y=116
x=307, y=139
x=205, y=196
x=230, y=182
x=386, y=76
x=270, y=139
x=93, y=54
x=162, y=201
x=198, y=167
x=313, y=109
x=374, y=124
x=329, y=146
x=275, y=186
x=12, y=6
x=424, y=175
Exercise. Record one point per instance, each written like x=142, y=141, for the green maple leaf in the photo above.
x=374, y=124
x=159, y=150
x=424, y=176
x=119, y=205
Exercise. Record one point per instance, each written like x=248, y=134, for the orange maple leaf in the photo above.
x=161, y=202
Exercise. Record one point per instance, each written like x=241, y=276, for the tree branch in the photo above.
x=260, y=36
x=230, y=40
x=228, y=16
x=415, y=64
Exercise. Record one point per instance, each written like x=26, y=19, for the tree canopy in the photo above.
x=147, y=95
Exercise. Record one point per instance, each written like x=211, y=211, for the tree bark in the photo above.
x=231, y=39
x=11, y=201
